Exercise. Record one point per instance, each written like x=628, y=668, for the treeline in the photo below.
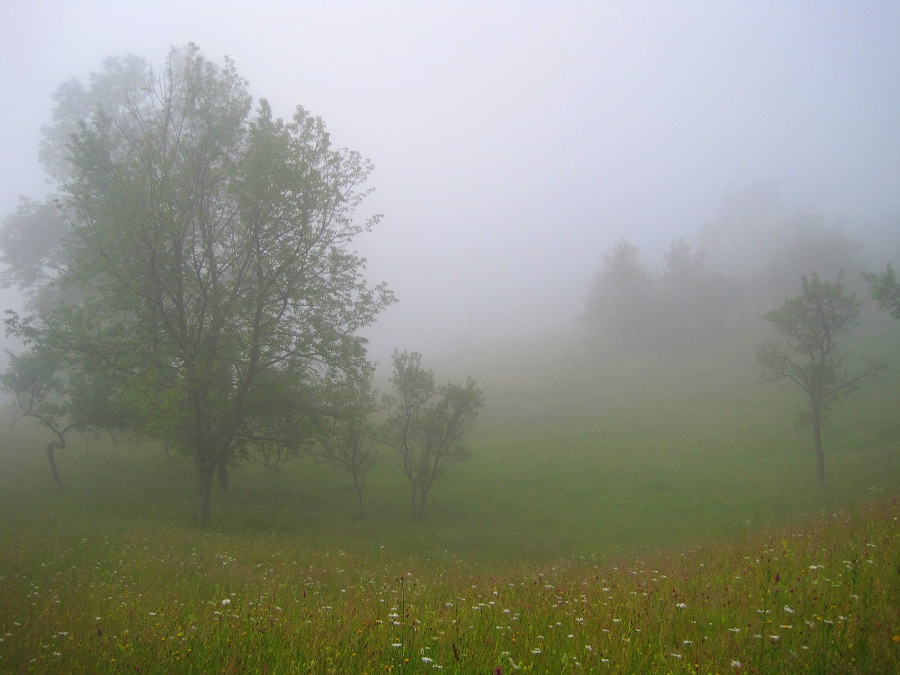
x=753, y=253
x=634, y=307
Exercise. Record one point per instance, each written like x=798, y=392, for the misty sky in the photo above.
x=516, y=142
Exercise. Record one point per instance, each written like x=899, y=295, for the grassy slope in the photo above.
x=577, y=458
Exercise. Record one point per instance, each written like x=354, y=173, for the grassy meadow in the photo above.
x=621, y=514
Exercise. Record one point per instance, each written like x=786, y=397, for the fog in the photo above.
x=515, y=143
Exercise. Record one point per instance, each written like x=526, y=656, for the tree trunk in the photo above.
x=51, y=459
x=362, y=511
x=422, y=505
x=222, y=470
x=204, y=489
x=415, y=511
x=820, y=453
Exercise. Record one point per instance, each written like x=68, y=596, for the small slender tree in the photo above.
x=348, y=436
x=59, y=397
x=811, y=355
x=426, y=425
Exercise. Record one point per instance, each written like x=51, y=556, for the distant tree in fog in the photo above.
x=811, y=353
x=620, y=296
x=691, y=300
x=208, y=249
x=426, y=424
x=885, y=290
x=755, y=237
x=807, y=242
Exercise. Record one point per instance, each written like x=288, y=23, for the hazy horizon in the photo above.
x=515, y=143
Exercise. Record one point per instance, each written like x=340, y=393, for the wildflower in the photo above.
x=736, y=664
x=535, y=651
x=677, y=656
x=681, y=605
x=688, y=642
x=775, y=637
x=426, y=659
x=395, y=645
x=226, y=601
x=788, y=609
x=734, y=630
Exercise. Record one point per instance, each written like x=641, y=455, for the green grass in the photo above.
x=603, y=494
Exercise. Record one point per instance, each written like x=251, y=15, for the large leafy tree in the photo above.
x=208, y=248
x=426, y=424
x=811, y=353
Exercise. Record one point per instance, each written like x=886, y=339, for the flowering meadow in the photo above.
x=614, y=518
x=821, y=597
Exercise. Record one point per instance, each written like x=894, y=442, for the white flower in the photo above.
x=226, y=601
x=426, y=659
x=788, y=609
x=396, y=644
x=681, y=605
x=736, y=664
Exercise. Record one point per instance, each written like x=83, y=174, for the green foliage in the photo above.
x=885, y=290
x=426, y=425
x=813, y=326
x=620, y=295
x=83, y=589
x=348, y=436
x=212, y=287
x=681, y=302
